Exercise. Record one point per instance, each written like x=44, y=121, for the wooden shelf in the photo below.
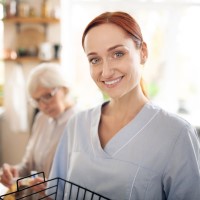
x=40, y=20
x=28, y=59
x=20, y=21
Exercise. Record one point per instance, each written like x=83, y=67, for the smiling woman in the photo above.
x=171, y=72
x=126, y=147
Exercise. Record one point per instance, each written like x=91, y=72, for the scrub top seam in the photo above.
x=133, y=183
x=135, y=134
x=172, y=149
x=197, y=157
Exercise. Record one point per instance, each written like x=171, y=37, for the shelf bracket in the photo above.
x=18, y=25
x=45, y=29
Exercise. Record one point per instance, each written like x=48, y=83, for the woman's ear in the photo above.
x=144, y=53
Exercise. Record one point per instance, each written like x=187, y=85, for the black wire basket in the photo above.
x=70, y=191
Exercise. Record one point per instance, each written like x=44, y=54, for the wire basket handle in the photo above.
x=24, y=180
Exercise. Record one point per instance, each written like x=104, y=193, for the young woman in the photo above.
x=126, y=148
x=50, y=93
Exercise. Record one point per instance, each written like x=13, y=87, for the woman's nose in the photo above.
x=107, y=69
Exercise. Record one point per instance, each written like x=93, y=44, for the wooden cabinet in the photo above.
x=28, y=37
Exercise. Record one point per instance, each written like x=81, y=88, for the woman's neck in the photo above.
x=126, y=106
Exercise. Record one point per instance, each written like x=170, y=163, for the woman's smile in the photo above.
x=113, y=83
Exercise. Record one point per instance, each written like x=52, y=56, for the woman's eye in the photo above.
x=94, y=61
x=47, y=96
x=118, y=54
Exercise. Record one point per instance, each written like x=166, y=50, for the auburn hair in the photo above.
x=126, y=22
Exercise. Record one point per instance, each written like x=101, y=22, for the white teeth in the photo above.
x=112, y=82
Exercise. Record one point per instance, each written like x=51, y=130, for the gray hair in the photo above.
x=48, y=75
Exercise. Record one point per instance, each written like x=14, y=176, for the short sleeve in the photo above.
x=181, y=178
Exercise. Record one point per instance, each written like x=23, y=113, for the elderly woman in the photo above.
x=49, y=92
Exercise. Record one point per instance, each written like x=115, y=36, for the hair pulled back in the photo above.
x=126, y=22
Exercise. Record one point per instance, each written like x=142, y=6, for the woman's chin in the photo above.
x=51, y=114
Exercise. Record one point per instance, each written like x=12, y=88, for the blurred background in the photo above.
x=38, y=31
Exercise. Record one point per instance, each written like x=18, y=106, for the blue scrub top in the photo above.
x=156, y=156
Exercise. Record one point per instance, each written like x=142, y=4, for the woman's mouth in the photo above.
x=112, y=82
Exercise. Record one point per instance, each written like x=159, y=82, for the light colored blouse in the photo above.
x=156, y=156
x=42, y=144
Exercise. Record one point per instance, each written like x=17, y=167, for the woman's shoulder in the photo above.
x=171, y=120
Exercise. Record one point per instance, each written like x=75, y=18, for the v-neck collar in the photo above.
x=123, y=136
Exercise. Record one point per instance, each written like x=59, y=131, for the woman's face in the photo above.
x=115, y=62
x=51, y=101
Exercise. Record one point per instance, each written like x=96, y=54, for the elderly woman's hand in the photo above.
x=39, y=186
x=9, y=173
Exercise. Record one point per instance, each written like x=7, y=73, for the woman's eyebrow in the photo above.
x=109, y=49
x=114, y=47
x=92, y=53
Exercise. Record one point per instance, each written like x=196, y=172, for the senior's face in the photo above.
x=51, y=101
x=115, y=62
